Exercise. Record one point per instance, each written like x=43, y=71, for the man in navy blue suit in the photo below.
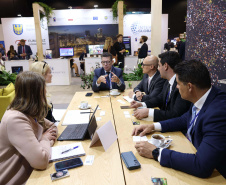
x=108, y=77
x=24, y=51
x=205, y=123
x=144, y=48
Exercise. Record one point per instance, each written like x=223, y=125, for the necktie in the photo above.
x=23, y=51
x=193, y=117
x=168, y=94
x=108, y=80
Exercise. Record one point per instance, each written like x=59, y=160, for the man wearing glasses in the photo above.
x=169, y=101
x=108, y=77
x=151, y=83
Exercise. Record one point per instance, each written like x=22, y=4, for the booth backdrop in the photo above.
x=15, y=29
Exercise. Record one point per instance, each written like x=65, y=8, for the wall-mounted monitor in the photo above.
x=17, y=69
x=67, y=52
x=96, y=49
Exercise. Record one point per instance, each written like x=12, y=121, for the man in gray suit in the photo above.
x=151, y=83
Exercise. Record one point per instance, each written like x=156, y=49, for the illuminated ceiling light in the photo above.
x=19, y=15
x=133, y=12
x=95, y=6
x=168, y=28
x=70, y=7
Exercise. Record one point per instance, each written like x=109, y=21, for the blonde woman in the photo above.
x=44, y=69
x=26, y=136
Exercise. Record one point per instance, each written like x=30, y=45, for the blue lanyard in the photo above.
x=191, y=123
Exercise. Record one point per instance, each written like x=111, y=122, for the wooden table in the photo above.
x=108, y=168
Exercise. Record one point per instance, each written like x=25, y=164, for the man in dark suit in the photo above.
x=108, y=77
x=151, y=83
x=205, y=123
x=24, y=51
x=169, y=100
x=144, y=48
x=178, y=44
x=168, y=45
x=120, y=49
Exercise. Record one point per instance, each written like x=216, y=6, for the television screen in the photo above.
x=66, y=52
x=17, y=69
x=96, y=49
x=48, y=54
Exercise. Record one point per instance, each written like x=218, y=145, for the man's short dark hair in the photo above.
x=145, y=38
x=195, y=72
x=172, y=58
x=106, y=54
x=119, y=35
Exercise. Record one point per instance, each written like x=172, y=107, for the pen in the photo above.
x=69, y=150
x=85, y=112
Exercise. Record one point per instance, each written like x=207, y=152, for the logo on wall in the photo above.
x=95, y=18
x=105, y=17
x=18, y=29
x=54, y=19
x=138, y=28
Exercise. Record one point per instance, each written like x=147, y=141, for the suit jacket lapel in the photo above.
x=153, y=80
x=209, y=99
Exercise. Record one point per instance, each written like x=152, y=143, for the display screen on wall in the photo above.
x=127, y=42
x=66, y=52
x=96, y=49
x=80, y=36
x=206, y=39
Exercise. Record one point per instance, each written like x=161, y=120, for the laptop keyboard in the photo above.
x=74, y=132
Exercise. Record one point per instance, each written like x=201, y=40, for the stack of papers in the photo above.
x=127, y=98
x=58, y=114
x=75, y=117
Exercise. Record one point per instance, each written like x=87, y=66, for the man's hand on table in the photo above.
x=141, y=113
x=143, y=130
x=135, y=104
x=144, y=148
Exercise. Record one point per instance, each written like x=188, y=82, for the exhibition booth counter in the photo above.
x=93, y=62
x=60, y=69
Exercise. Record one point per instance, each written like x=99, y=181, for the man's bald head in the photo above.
x=152, y=60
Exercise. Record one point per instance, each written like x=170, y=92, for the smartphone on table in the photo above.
x=68, y=164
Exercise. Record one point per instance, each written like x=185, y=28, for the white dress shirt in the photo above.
x=151, y=111
x=199, y=104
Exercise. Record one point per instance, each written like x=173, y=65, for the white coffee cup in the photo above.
x=114, y=91
x=84, y=104
x=157, y=140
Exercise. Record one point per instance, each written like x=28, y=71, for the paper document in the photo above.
x=139, y=138
x=127, y=98
x=71, y=153
x=89, y=160
x=75, y=117
x=122, y=102
x=58, y=114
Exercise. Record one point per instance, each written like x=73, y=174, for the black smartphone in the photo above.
x=89, y=94
x=68, y=164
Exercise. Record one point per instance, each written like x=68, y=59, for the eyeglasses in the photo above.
x=105, y=62
x=146, y=64
x=45, y=63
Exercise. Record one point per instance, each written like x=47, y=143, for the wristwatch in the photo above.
x=155, y=154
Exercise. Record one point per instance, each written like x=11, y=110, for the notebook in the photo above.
x=57, y=152
x=74, y=117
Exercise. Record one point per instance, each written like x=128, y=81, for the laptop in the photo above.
x=80, y=131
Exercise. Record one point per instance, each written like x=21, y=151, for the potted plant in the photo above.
x=6, y=78
x=115, y=9
x=48, y=11
x=87, y=80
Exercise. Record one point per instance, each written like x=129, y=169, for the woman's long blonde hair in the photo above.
x=30, y=96
x=41, y=68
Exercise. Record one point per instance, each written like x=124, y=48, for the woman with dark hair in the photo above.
x=12, y=54
x=26, y=136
